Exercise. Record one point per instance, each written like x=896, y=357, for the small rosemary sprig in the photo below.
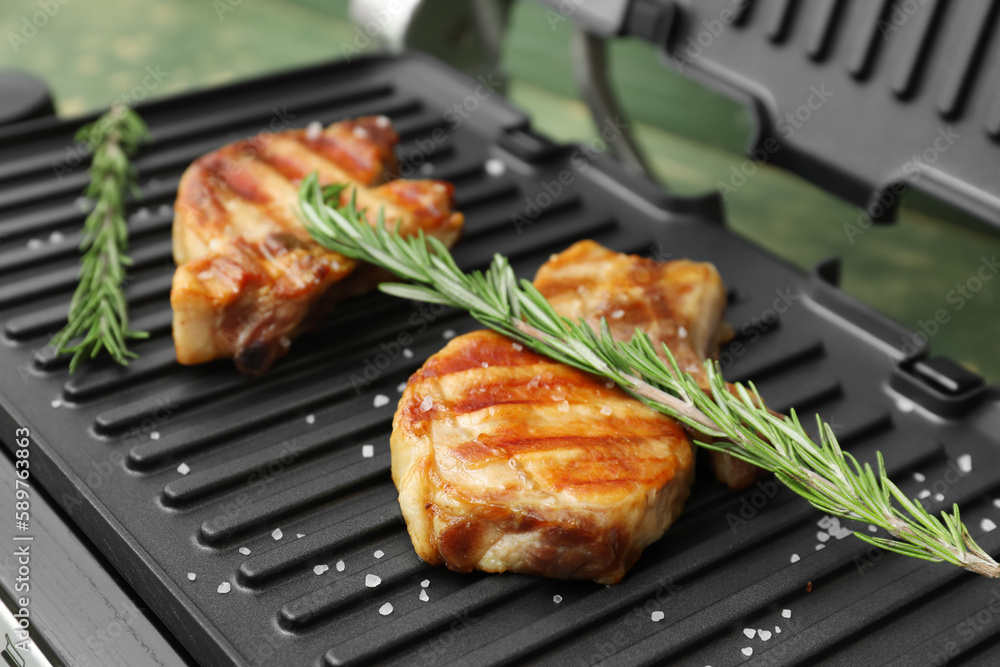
x=825, y=475
x=98, y=313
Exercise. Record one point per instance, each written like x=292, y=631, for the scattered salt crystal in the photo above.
x=822, y=537
x=183, y=468
x=299, y=536
x=320, y=569
x=682, y=332
x=820, y=546
x=277, y=534
x=244, y=551
x=55, y=403
x=749, y=632
x=224, y=587
x=380, y=400
x=919, y=476
x=777, y=630
x=564, y=406
x=82, y=203
x=155, y=435
x=795, y=558
x=872, y=529
x=192, y=576
x=987, y=525
x=379, y=553
x=372, y=580
x=606, y=410
x=425, y=583
x=904, y=404
x=748, y=651
x=764, y=635
x=485, y=364
x=401, y=387
x=340, y=566
x=495, y=167
x=448, y=334
x=35, y=244
x=141, y=214
x=382, y=121
x=609, y=384
x=360, y=132
x=618, y=314
x=56, y=237
x=557, y=599
x=385, y=609
x=408, y=353
x=996, y=503
x=924, y=493
x=427, y=403
x=310, y=419
x=313, y=130
x=165, y=209
x=787, y=613
x=518, y=347
x=656, y=616
x=965, y=463
x=367, y=451
x=423, y=595
x=939, y=497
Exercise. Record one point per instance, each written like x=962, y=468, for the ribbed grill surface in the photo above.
x=285, y=452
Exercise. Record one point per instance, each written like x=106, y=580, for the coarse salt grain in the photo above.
x=380, y=400
x=382, y=121
x=313, y=130
x=787, y=613
x=448, y=334
x=749, y=632
x=423, y=595
x=996, y=503
x=165, y=209
x=385, y=609
x=427, y=403
x=557, y=599
x=564, y=406
x=56, y=237
x=795, y=558
x=939, y=497
x=155, y=435
x=277, y=534
x=618, y=314
x=764, y=635
x=747, y=651
x=35, y=244
x=495, y=167
x=682, y=332
x=379, y=553
x=340, y=566
x=244, y=551
x=777, y=630
x=310, y=419
x=609, y=384
x=183, y=468
x=425, y=583
x=192, y=576
x=820, y=546
x=987, y=525
x=360, y=132
x=320, y=569
x=485, y=364
x=872, y=529
x=401, y=387
x=656, y=616
x=224, y=587
x=55, y=403
x=919, y=476
x=518, y=346
x=408, y=353
x=606, y=410
x=965, y=463
x=822, y=537
x=372, y=580
x=299, y=535
x=924, y=493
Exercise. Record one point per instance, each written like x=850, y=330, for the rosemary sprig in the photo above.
x=822, y=473
x=98, y=313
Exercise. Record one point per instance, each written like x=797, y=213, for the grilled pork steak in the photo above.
x=507, y=460
x=249, y=277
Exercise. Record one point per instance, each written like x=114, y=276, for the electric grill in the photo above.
x=187, y=478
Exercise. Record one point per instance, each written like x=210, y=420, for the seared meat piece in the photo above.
x=507, y=460
x=249, y=276
x=680, y=303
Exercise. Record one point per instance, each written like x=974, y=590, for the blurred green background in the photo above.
x=91, y=51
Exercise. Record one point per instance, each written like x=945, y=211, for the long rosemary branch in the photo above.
x=831, y=479
x=98, y=313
